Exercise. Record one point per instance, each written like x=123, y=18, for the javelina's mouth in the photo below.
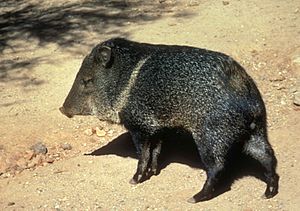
x=63, y=111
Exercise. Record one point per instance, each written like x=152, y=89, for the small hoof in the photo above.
x=270, y=193
x=136, y=179
x=201, y=196
x=263, y=196
x=133, y=181
x=191, y=200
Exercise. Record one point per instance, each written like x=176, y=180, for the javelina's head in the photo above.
x=90, y=92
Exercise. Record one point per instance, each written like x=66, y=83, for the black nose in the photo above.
x=63, y=111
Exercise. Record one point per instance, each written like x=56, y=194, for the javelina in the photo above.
x=153, y=88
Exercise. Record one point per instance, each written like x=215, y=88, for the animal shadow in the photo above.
x=180, y=148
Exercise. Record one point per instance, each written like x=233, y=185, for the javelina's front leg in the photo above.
x=143, y=149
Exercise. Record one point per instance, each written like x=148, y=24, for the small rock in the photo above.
x=57, y=155
x=88, y=132
x=50, y=160
x=100, y=132
x=58, y=171
x=297, y=98
x=282, y=102
x=30, y=165
x=11, y=203
x=277, y=78
x=225, y=3
x=39, y=148
x=57, y=207
x=6, y=175
x=66, y=146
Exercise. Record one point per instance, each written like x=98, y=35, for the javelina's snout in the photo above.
x=63, y=111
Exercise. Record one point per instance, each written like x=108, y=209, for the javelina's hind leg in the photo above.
x=143, y=149
x=155, y=154
x=213, y=160
x=259, y=148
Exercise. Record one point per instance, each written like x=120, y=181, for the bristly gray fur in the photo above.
x=151, y=89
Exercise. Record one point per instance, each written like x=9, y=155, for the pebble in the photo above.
x=225, y=3
x=39, y=148
x=277, y=78
x=30, y=165
x=66, y=146
x=282, y=102
x=11, y=203
x=88, y=132
x=6, y=175
x=100, y=132
x=297, y=98
x=50, y=160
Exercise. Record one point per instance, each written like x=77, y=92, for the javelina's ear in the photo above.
x=105, y=56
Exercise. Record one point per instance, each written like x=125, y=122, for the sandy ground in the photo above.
x=42, y=44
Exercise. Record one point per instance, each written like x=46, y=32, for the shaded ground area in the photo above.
x=66, y=23
x=42, y=44
x=27, y=25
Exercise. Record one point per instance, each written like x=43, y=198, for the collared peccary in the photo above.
x=151, y=89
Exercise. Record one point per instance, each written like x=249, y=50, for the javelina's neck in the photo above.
x=125, y=89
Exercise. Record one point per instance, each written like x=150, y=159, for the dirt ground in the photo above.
x=42, y=44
